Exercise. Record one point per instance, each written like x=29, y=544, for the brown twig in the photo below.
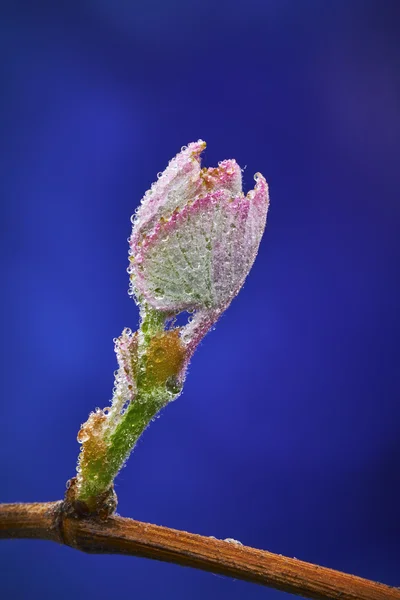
x=118, y=535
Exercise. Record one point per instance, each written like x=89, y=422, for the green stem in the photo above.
x=151, y=322
x=102, y=473
x=98, y=476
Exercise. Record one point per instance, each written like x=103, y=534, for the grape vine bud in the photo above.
x=194, y=240
x=196, y=235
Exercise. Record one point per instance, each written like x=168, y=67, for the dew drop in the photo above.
x=173, y=385
x=82, y=436
x=232, y=541
x=158, y=294
x=159, y=355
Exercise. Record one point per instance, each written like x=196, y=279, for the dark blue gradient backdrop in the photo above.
x=287, y=434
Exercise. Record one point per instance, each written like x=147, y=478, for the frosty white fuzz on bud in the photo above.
x=196, y=235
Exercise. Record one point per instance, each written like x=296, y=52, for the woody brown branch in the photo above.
x=118, y=535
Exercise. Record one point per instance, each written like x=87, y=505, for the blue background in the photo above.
x=287, y=434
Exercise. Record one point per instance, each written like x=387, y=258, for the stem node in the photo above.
x=101, y=506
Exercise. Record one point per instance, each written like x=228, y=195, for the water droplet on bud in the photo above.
x=159, y=355
x=82, y=436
